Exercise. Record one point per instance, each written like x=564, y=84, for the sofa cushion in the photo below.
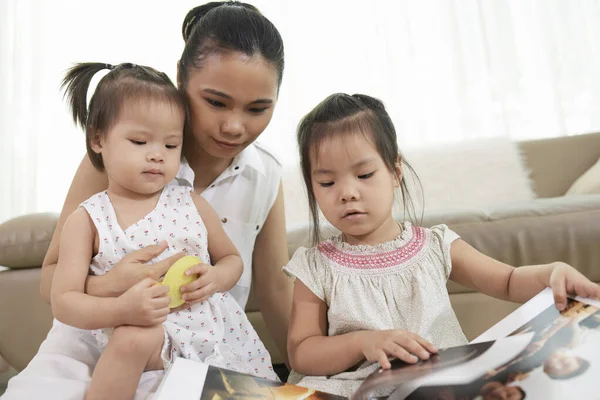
x=588, y=183
x=24, y=240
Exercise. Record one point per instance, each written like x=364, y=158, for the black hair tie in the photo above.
x=110, y=66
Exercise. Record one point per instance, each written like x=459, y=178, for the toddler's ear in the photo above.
x=96, y=142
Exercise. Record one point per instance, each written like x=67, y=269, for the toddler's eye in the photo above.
x=138, y=142
x=366, y=176
x=326, y=184
x=171, y=146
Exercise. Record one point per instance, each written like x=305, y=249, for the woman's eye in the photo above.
x=214, y=103
x=138, y=142
x=258, y=110
x=326, y=184
x=366, y=176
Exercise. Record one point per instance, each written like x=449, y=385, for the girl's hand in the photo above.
x=132, y=268
x=407, y=346
x=145, y=304
x=566, y=279
x=202, y=288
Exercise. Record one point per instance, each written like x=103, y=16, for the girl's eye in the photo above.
x=326, y=184
x=214, y=103
x=258, y=110
x=171, y=146
x=138, y=142
x=366, y=176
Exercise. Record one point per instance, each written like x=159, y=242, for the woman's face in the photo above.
x=231, y=99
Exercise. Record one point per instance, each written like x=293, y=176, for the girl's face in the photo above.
x=354, y=189
x=231, y=100
x=142, y=150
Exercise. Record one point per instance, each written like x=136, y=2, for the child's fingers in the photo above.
x=591, y=289
x=559, y=290
x=195, y=285
x=384, y=361
x=200, y=294
x=401, y=352
x=428, y=346
x=415, y=348
x=198, y=269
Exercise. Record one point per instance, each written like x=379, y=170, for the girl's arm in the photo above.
x=310, y=350
x=72, y=306
x=228, y=265
x=489, y=276
x=272, y=288
x=132, y=269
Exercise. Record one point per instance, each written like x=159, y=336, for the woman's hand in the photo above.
x=202, y=288
x=145, y=304
x=566, y=279
x=407, y=346
x=133, y=268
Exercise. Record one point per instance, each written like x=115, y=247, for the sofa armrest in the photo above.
x=25, y=318
x=24, y=240
x=539, y=231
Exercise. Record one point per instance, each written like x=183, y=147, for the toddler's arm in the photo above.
x=492, y=277
x=228, y=265
x=72, y=306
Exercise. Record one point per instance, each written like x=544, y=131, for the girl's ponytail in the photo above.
x=76, y=84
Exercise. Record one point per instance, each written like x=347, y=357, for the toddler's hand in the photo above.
x=202, y=288
x=407, y=346
x=145, y=304
x=566, y=279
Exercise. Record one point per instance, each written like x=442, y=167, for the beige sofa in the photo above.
x=552, y=227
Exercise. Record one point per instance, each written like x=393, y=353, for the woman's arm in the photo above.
x=228, y=265
x=494, y=278
x=311, y=351
x=272, y=287
x=130, y=270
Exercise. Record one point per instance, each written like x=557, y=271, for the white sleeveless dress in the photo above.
x=215, y=331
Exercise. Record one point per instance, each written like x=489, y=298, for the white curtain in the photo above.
x=448, y=70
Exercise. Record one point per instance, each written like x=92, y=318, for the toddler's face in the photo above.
x=353, y=187
x=142, y=151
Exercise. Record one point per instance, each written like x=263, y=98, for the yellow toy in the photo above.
x=175, y=278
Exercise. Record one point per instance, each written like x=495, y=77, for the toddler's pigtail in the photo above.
x=76, y=84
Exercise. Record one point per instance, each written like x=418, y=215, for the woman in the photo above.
x=231, y=69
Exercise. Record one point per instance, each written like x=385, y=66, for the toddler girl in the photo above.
x=134, y=131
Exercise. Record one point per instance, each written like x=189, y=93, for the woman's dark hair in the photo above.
x=123, y=83
x=341, y=113
x=228, y=26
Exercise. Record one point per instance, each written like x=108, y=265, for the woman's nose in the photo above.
x=233, y=125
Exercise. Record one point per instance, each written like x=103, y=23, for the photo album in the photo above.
x=536, y=352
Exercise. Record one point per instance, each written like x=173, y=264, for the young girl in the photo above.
x=134, y=132
x=378, y=289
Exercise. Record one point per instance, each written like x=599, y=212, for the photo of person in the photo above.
x=557, y=362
